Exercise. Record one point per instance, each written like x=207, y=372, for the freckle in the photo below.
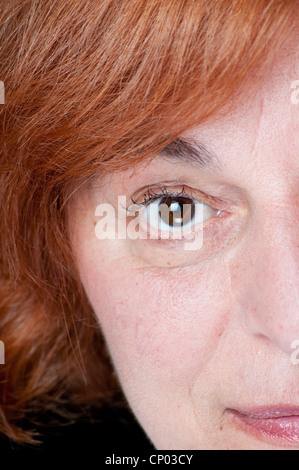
x=220, y=428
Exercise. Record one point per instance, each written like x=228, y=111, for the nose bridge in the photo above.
x=270, y=299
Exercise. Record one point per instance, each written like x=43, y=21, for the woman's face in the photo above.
x=203, y=335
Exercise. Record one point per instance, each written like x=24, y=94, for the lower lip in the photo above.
x=274, y=424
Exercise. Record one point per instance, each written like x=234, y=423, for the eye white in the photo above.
x=158, y=214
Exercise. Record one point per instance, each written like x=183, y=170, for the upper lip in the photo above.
x=268, y=412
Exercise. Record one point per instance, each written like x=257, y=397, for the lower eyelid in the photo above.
x=209, y=228
x=218, y=236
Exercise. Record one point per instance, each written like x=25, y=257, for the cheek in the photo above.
x=168, y=321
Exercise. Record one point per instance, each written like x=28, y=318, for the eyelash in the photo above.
x=149, y=196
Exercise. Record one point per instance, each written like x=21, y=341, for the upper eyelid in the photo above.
x=148, y=197
x=198, y=195
x=184, y=191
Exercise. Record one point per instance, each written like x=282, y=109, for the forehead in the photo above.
x=261, y=121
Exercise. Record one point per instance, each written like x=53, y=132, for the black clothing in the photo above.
x=109, y=430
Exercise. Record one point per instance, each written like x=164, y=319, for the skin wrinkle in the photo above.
x=258, y=133
x=254, y=151
x=221, y=334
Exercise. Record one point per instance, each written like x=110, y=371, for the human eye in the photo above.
x=179, y=225
x=173, y=212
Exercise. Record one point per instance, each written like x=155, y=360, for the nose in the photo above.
x=268, y=291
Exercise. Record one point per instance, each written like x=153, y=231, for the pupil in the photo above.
x=176, y=212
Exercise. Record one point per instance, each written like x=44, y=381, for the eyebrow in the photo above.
x=191, y=153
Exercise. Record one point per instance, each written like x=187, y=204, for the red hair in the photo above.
x=95, y=86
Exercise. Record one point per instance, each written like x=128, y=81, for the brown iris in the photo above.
x=176, y=211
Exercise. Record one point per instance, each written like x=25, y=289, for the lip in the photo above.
x=277, y=424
